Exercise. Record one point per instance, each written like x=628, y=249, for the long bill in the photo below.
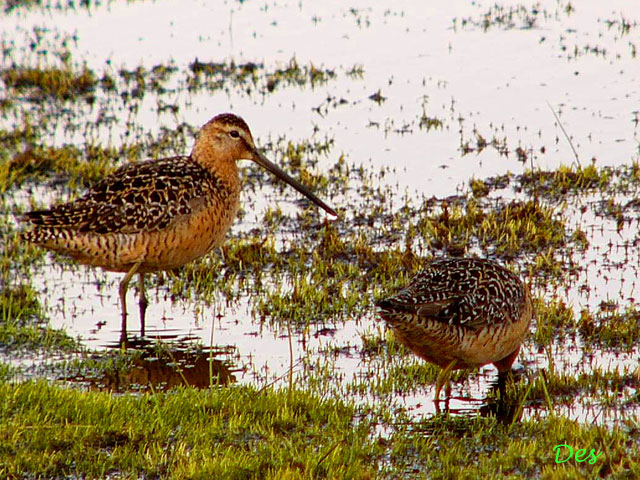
x=278, y=172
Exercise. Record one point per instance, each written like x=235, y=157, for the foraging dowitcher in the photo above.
x=157, y=214
x=461, y=313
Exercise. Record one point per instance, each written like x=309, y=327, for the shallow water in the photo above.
x=500, y=83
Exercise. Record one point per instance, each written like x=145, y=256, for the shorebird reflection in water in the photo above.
x=461, y=313
x=158, y=214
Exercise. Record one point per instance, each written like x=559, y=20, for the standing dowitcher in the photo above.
x=158, y=214
x=461, y=313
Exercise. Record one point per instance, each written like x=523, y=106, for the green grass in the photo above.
x=479, y=448
x=39, y=83
x=236, y=432
x=239, y=432
x=22, y=326
x=611, y=328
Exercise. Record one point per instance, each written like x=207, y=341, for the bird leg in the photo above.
x=142, y=302
x=443, y=378
x=504, y=365
x=124, y=284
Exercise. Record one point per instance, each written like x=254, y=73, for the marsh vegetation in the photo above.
x=422, y=159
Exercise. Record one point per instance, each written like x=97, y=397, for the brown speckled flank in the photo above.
x=462, y=313
x=158, y=214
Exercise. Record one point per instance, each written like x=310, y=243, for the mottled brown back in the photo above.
x=140, y=197
x=467, y=292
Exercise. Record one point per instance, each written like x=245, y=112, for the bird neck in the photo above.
x=219, y=163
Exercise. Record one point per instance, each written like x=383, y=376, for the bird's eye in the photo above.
x=234, y=134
